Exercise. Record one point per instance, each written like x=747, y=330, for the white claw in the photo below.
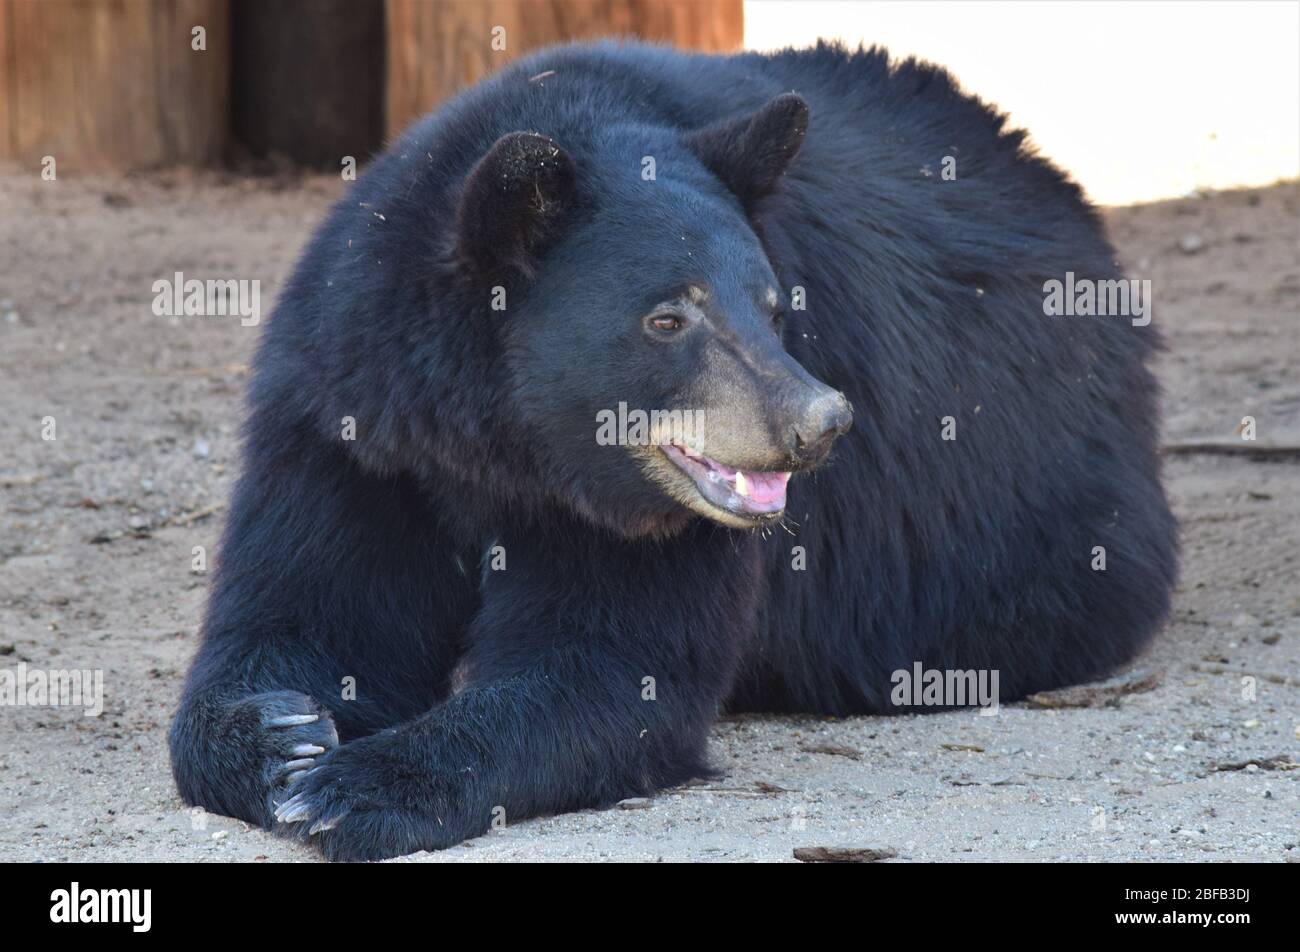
x=320, y=826
x=292, y=811
x=307, y=750
x=293, y=720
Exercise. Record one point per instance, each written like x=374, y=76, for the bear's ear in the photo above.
x=750, y=154
x=511, y=202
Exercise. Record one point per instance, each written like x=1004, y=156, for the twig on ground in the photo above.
x=1271, y=453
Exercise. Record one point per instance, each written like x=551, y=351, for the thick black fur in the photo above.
x=523, y=691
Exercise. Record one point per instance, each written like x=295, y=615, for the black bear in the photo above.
x=528, y=490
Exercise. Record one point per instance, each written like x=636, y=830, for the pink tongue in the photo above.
x=767, y=487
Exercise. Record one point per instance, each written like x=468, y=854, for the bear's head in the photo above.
x=642, y=320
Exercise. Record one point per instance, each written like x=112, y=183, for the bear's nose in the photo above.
x=825, y=418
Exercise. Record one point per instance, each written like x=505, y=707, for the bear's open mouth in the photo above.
x=756, y=495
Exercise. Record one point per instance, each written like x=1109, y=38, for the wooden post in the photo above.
x=309, y=79
x=113, y=85
x=437, y=47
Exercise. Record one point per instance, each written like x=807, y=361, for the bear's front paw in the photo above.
x=292, y=730
x=361, y=802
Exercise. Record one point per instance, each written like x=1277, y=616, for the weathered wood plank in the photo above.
x=113, y=84
x=435, y=49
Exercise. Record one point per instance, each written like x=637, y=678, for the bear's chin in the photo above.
x=733, y=520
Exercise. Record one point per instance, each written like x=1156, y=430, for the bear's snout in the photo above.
x=823, y=419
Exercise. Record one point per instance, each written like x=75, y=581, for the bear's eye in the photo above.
x=665, y=322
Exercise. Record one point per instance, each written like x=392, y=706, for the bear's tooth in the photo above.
x=741, y=488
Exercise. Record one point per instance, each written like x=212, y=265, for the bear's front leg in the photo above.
x=594, y=669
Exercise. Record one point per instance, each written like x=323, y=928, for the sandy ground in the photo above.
x=97, y=529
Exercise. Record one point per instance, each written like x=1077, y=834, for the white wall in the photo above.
x=1138, y=100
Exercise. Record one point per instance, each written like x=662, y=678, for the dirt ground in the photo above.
x=97, y=529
